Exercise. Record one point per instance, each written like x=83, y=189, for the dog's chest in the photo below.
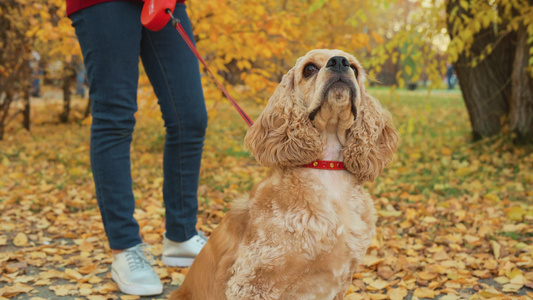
x=335, y=186
x=333, y=216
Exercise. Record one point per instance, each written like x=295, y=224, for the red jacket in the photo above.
x=76, y=5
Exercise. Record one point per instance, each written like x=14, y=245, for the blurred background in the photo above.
x=482, y=47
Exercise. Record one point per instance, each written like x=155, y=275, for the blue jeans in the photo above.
x=112, y=39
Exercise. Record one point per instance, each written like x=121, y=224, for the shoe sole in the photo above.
x=135, y=290
x=181, y=262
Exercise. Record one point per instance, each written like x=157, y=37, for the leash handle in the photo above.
x=154, y=16
x=176, y=23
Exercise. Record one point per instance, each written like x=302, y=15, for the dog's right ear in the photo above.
x=283, y=134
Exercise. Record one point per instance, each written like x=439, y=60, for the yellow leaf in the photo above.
x=512, y=288
x=471, y=239
x=424, y=293
x=408, y=70
x=177, y=278
x=519, y=279
x=15, y=289
x=370, y=260
x=427, y=276
x=397, y=293
x=450, y=297
x=501, y=280
x=430, y=219
x=88, y=269
x=516, y=213
x=21, y=240
x=379, y=284
x=73, y=274
x=490, y=293
x=463, y=171
x=513, y=273
x=492, y=197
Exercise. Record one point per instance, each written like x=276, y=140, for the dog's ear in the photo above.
x=283, y=134
x=372, y=140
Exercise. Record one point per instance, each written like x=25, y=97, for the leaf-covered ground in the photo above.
x=455, y=218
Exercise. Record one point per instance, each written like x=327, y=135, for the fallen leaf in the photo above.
x=379, y=284
x=15, y=289
x=427, y=276
x=512, y=288
x=73, y=274
x=516, y=213
x=397, y=293
x=21, y=240
x=424, y=293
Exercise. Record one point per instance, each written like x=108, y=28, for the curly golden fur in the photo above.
x=301, y=232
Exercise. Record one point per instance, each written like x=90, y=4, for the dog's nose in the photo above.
x=338, y=64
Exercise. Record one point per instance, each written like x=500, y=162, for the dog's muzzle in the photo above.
x=338, y=81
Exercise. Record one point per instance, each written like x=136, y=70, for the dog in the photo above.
x=301, y=232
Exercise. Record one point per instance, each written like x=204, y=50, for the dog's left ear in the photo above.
x=372, y=140
x=283, y=134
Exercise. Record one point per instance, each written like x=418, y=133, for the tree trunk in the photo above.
x=486, y=88
x=521, y=114
x=26, y=112
x=88, y=108
x=66, y=97
x=4, y=109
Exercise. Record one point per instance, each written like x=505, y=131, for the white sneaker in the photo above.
x=134, y=274
x=182, y=254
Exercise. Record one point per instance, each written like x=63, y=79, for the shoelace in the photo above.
x=201, y=238
x=137, y=257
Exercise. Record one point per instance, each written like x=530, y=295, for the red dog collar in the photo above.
x=326, y=165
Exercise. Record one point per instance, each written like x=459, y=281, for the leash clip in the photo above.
x=172, y=18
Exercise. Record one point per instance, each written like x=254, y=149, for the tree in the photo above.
x=491, y=49
x=14, y=57
x=56, y=41
x=258, y=41
x=521, y=104
x=490, y=46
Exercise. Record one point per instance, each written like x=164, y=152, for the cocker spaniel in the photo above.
x=303, y=230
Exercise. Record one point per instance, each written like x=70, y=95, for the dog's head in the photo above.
x=324, y=91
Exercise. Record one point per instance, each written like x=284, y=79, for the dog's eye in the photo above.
x=354, y=68
x=309, y=70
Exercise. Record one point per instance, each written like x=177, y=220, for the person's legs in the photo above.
x=110, y=38
x=174, y=73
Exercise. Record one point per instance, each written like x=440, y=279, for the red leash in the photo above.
x=176, y=23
